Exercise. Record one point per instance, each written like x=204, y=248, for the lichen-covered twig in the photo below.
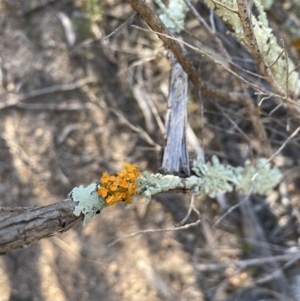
x=256, y=35
x=245, y=17
x=21, y=227
x=209, y=179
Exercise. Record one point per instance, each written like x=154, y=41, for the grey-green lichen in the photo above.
x=173, y=15
x=217, y=178
x=209, y=179
x=267, y=178
x=87, y=201
x=151, y=184
x=266, y=41
x=213, y=177
x=267, y=3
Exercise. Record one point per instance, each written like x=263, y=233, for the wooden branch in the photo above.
x=243, y=264
x=246, y=22
x=22, y=226
x=147, y=14
x=48, y=90
x=175, y=156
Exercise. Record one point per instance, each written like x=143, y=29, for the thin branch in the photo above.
x=217, y=93
x=278, y=151
x=231, y=209
x=147, y=14
x=246, y=138
x=243, y=264
x=48, y=90
x=195, y=224
x=182, y=222
x=225, y=6
x=275, y=273
x=144, y=135
x=210, y=30
x=129, y=20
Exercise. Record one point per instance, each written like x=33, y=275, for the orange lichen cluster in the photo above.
x=119, y=188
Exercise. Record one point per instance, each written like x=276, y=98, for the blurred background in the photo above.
x=73, y=105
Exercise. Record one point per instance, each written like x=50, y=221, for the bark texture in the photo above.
x=20, y=227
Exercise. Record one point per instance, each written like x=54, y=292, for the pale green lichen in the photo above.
x=266, y=41
x=173, y=16
x=209, y=179
x=151, y=184
x=215, y=177
x=192, y=184
x=267, y=178
x=267, y=3
x=87, y=201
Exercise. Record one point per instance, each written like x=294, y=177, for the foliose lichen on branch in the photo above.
x=209, y=179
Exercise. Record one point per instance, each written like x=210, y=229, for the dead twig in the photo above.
x=129, y=20
x=245, y=100
x=231, y=209
x=175, y=156
x=182, y=222
x=147, y=14
x=23, y=227
x=195, y=224
x=48, y=90
x=144, y=135
x=247, y=263
x=278, y=151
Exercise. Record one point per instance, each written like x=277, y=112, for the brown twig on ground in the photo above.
x=23, y=227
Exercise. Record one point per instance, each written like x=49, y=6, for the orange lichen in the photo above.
x=105, y=178
x=119, y=188
x=102, y=192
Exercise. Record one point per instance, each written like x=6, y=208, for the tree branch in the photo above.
x=147, y=14
x=22, y=227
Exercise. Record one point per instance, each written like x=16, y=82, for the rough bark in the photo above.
x=20, y=227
